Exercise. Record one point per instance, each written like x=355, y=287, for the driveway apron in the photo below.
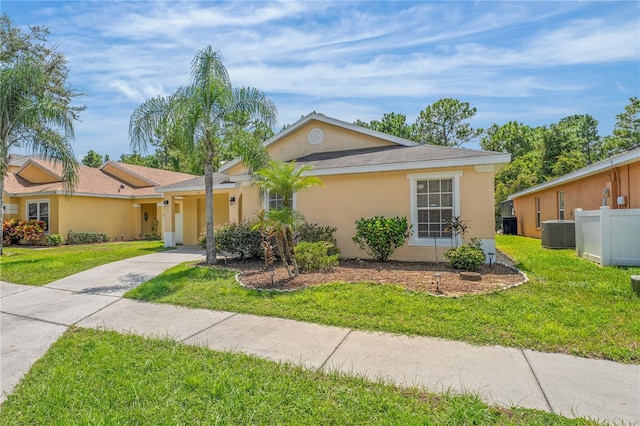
x=32, y=318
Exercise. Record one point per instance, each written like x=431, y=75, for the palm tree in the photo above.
x=33, y=110
x=284, y=179
x=197, y=117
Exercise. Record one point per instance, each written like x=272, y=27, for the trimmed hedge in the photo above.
x=380, y=236
x=86, y=237
x=315, y=233
x=469, y=257
x=315, y=256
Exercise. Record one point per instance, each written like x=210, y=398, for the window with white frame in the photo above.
x=39, y=210
x=275, y=201
x=537, y=212
x=434, y=200
x=561, y=205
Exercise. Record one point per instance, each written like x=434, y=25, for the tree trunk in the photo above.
x=208, y=186
x=2, y=209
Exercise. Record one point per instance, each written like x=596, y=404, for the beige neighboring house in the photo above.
x=613, y=182
x=365, y=173
x=117, y=199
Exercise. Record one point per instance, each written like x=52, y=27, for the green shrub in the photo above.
x=380, y=236
x=314, y=233
x=235, y=240
x=315, y=256
x=31, y=230
x=54, y=240
x=86, y=237
x=155, y=235
x=10, y=235
x=468, y=256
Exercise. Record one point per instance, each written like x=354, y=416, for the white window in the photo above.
x=537, y=212
x=435, y=198
x=275, y=201
x=39, y=210
x=561, y=205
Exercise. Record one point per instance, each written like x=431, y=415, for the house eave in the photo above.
x=194, y=188
x=593, y=169
x=80, y=194
x=431, y=164
x=497, y=161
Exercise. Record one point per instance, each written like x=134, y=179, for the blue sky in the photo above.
x=532, y=62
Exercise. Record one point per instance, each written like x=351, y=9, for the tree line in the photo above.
x=538, y=154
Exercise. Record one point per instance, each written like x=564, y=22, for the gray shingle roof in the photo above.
x=392, y=155
x=197, y=182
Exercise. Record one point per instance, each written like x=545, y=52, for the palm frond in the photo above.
x=145, y=120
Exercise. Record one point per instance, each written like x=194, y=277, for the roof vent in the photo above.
x=315, y=136
x=559, y=234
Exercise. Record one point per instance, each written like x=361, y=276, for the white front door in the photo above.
x=178, y=221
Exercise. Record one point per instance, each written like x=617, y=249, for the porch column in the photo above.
x=159, y=207
x=168, y=222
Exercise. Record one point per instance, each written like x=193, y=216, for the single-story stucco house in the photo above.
x=613, y=182
x=116, y=199
x=365, y=173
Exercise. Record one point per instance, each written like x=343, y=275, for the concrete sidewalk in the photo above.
x=34, y=317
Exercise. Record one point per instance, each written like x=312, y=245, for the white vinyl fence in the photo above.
x=609, y=237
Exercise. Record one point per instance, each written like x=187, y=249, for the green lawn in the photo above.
x=39, y=266
x=569, y=306
x=97, y=377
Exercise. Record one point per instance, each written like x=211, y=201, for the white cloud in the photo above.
x=352, y=60
x=124, y=88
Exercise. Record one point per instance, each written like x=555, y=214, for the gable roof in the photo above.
x=328, y=120
x=628, y=157
x=398, y=158
x=92, y=181
x=37, y=171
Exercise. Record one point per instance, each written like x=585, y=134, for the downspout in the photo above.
x=617, y=180
x=629, y=186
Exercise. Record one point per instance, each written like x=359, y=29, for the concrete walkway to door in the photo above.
x=32, y=318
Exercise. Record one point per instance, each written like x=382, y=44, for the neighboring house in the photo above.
x=614, y=182
x=365, y=173
x=117, y=199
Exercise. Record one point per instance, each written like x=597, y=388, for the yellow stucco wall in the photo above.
x=116, y=217
x=345, y=198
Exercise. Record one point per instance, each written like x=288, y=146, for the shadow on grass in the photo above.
x=175, y=279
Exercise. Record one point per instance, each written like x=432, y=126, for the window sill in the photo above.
x=428, y=242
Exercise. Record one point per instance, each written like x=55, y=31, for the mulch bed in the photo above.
x=414, y=276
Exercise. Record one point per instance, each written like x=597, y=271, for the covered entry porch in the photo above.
x=184, y=210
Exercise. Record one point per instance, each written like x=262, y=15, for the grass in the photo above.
x=39, y=266
x=570, y=305
x=98, y=377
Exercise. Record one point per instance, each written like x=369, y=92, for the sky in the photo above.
x=532, y=62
